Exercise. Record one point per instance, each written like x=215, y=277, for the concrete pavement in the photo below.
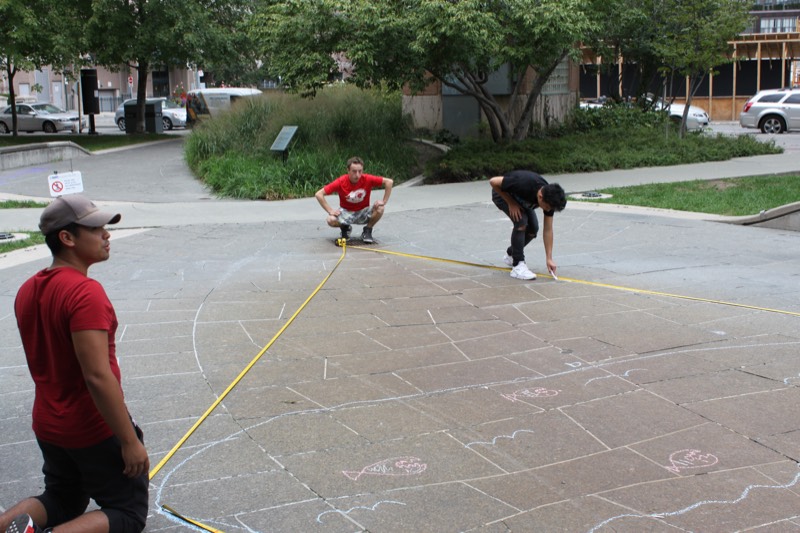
x=653, y=388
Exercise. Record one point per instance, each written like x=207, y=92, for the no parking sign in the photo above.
x=66, y=183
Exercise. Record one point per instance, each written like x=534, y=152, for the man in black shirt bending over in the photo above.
x=517, y=194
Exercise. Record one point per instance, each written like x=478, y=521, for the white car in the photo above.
x=172, y=114
x=41, y=117
x=772, y=111
x=695, y=120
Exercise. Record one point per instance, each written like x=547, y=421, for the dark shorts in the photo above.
x=73, y=475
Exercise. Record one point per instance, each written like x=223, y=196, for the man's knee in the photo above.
x=125, y=521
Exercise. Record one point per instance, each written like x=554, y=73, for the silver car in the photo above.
x=41, y=117
x=772, y=111
x=172, y=115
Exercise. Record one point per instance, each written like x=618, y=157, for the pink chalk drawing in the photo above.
x=398, y=466
x=686, y=459
x=539, y=392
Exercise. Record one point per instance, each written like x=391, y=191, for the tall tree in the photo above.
x=144, y=34
x=37, y=33
x=694, y=39
x=415, y=42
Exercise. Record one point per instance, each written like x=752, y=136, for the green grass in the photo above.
x=730, y=197
x=91, y=143
x=16, y=204
x=33, y=239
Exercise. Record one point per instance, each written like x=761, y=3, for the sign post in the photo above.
x=66, y=183
x=283, y=140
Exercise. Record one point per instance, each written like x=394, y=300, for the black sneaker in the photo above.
x=366, y=235
x=23, y=524
x=346, y=228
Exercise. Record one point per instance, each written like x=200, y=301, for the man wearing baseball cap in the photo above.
x=91, y=446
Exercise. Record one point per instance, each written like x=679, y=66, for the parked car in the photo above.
x=695, y=120
x=41, y=117
x=772, y=111
x=172, y=115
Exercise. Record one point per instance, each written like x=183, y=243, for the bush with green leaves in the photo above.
x=593, y=140
x=231, y=153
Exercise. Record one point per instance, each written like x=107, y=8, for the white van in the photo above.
x=204, y=103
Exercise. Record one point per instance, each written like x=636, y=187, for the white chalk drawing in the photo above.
x=538, y=392
x=162, y=484
x=494, y=440
x=687, y=459
x=347, y=512
x=398, y=466
x=576, y=364
x=742, y=497
x=791, y=378
x=625, y=375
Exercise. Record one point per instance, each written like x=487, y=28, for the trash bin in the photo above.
x=152, y=117
x=130, y=117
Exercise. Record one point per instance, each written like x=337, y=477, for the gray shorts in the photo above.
x=355, y=217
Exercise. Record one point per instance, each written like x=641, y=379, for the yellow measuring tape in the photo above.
x=195, y=523
x=343, y=244
x=241, y=375
x=584, y=282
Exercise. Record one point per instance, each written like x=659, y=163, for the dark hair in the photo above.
x=54, y=242
x=553, y=194
x=356, y=160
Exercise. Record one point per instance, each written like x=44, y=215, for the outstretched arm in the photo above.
x=547, y=240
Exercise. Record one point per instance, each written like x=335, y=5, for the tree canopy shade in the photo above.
x=416, y=42
x=144, y=34
x=36, y=33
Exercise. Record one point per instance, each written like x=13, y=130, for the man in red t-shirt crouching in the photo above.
x=354, y=208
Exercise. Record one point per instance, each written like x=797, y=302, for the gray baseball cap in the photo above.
x=65, y=210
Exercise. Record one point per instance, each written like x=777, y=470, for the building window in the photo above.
x=559, y=80
x=778, y=25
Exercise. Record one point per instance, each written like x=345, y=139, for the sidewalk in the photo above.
x=147, y=198
x=391, y=390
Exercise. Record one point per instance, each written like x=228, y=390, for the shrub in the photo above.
x=630, y=141
x=232, y=152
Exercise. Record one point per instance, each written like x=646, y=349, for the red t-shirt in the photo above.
x=49, y=307
x=353, y=196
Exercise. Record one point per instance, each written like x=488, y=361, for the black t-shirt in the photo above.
x=523, y=186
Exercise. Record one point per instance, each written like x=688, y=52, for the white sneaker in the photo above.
x=521, y=271
x=507, y=259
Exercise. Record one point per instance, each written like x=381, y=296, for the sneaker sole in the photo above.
x=522, y=277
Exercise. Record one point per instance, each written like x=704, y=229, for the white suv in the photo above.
x=772, y=111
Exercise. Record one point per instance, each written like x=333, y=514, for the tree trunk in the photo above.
x=525, y=119
x=141, y=96
x=12, y=98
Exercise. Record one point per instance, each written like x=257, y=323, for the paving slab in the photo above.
x=411, y=394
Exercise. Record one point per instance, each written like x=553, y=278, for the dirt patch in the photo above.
x=720, y=185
